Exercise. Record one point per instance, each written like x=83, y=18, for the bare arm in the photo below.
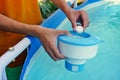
x=73, y=15
x=10, y=25
x=62, y=5
x=46, y=36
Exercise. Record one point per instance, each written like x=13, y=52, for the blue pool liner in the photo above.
x=34, y=46
x=52, y=22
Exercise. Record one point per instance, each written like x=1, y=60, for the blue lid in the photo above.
x=79, y=39
x=74, y=67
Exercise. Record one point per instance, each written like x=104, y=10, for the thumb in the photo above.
x=60, y=32
x=73, y=24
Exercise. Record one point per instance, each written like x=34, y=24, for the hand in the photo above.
x=48, y=39
x=73, y=15
x=78, y=16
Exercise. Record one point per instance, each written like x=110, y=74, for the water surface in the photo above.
x=105, y=23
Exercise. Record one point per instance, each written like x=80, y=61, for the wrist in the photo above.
x=33, y=30
x=67, y=10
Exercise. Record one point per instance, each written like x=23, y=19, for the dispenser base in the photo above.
x=74, y=67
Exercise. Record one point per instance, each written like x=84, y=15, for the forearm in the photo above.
x=10, y=25
x=62, y=5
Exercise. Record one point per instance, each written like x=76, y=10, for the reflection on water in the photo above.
x=105, y=22
x=107, y=16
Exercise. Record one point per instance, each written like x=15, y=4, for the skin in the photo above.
x=73, y=15
x=47, y=36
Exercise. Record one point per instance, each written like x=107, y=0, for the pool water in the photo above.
x=105, y=23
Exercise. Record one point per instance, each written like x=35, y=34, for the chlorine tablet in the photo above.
x=79, y=29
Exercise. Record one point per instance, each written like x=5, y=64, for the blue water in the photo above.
x=105, y=23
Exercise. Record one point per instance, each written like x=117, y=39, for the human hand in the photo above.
x=48, y=39
x=47, y=36
x=73, y=15
x=78, y=16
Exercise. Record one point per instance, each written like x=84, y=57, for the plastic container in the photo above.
x=78, y=47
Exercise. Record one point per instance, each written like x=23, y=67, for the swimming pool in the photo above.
x=104, y=22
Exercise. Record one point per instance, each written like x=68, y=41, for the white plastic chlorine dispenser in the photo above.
x=78, y=47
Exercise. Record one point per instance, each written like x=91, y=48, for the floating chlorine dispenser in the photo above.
x=78, y=47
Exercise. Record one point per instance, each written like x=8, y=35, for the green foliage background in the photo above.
x=47, y=8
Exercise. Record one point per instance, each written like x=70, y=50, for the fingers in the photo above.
x=54, y=53
x=60, y=32
x=50, y=53
x=51, y=47
x=82, y=17
x=85, y=19
x=74, y=25
x=85, y=22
